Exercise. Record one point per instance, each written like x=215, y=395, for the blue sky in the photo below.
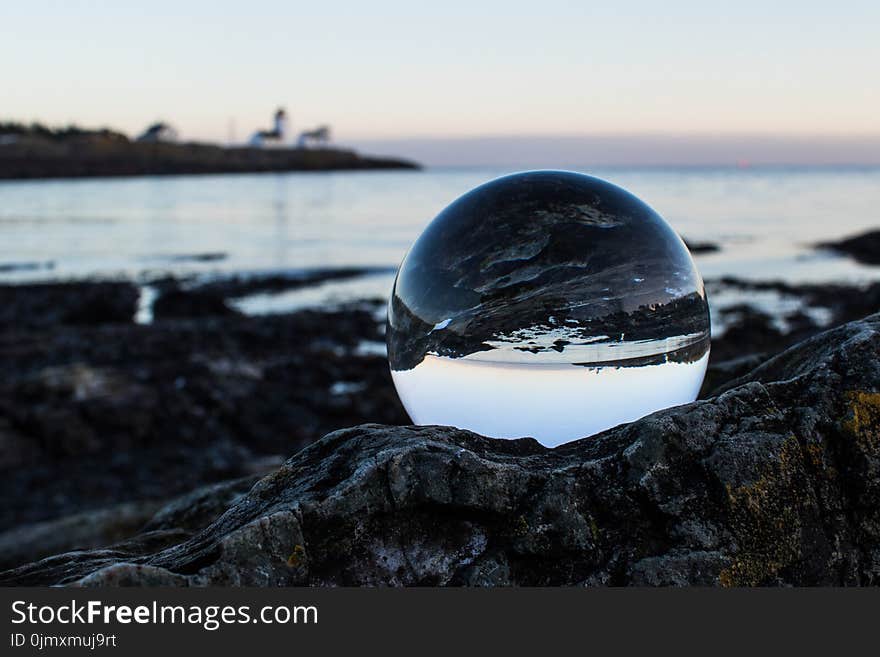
x=385, y=70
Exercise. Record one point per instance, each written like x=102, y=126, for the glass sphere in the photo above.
x=548, y=304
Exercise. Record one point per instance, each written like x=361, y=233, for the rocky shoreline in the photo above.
x=774, y=482
x=185, y=422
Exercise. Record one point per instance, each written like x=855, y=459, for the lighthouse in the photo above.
x=281, y=124
x=277, y=136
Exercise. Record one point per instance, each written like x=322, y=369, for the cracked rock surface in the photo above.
x=774, y=481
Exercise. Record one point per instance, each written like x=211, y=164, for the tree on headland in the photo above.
x=56, y=134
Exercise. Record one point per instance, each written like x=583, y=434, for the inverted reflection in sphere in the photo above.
x=549, y=304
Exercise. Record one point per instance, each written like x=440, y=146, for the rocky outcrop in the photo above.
x=105, y=414
x=776, y=481
x=181, y=304
x=215, y=297
x=42, y=305
x=753, y=334
x=147, y=519
x=864, y=248
x=701, y=248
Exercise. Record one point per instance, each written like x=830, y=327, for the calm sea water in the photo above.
x=764, y=220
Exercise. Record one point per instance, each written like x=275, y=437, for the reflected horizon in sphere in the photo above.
x=549, y=304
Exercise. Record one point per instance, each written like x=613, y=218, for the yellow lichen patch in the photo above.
x=297, y=557
x=765, y=520
x=520, y=526
x=815, y=453
x=864, y=423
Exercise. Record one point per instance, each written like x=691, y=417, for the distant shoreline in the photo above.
x=93, y=156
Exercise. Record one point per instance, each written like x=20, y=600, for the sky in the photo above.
x=421, y=76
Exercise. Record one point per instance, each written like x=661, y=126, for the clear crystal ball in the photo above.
x=549, y=304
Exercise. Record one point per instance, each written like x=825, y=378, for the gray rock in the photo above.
x=863, y=248
x=128, y=523
x=195, y=510
x=98, y=415
x=90, y=529
x=776, y=481
x=41, y=305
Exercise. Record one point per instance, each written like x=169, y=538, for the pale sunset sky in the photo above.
x=493, y=77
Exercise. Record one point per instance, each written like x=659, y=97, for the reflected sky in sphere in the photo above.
x=550, y=304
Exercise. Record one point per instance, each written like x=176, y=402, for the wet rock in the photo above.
x=864, y=248
x=774, y=482
x=240, y=285
x=199, y=257
x=749, y=331
x=177, y=304
x=752, y=335
x=700, y=248
x=189, y=298
x=40, y=305
x=132, y=413
x=16, y=267
x=844, y=302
